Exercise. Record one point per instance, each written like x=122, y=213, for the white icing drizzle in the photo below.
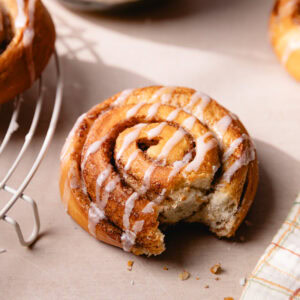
x=74, y=183
x=131, y=112
x=100, y=180
x=103, y=176
x=164, y=93
x=222, y=125
x=84, y=188
x=138, y=226
x=131, y=158
x=129, y=205
x=201, y=107
x=160, y=196
x=110, y=186
x=21, y=18
x=93, y=148
x=148, y=208
x=128, y=237
x=28, y=34
x=147, y=177
x=179, y=164
x=156, y=130
x=128, y=240
x=205, y=99
x=244, y=160
x=129, y=138
x=233, y=146
x=152, y=110
x=166, y=98
x=71, y=182
x=96, y=211
x=123, y=97
x=70, y=137
x=171, y=143
x=94, y=217
x=173, y=115
x=189, y=122
x=202, y=148
x=292, y=46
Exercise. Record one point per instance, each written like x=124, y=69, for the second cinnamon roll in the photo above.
x=157, y=155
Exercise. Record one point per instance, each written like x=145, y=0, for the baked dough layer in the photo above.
x=285, y=34
x=157, y=155
x=27, y=38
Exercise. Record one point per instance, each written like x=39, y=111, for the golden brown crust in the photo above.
x=24, y=58
x=201, y=154
x=285, y=34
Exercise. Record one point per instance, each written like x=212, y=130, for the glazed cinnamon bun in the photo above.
x=27, y=38
x=285, y=34
x=157, y=155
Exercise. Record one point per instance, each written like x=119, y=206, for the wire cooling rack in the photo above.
x=16, y=193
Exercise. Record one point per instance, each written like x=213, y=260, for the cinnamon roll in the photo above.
x=27, y=38
x=157, y=155
x=285, y=34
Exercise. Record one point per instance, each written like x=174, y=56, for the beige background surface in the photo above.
x=216, y=46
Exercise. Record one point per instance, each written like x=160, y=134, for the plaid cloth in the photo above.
x=277, y=273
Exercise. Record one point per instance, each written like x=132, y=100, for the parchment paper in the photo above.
x=216, y=46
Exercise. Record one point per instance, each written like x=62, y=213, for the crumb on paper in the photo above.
x=132, y=282
x=228, y=298
x=242, y=238
x=197, y=278
x=2, y=250
x=206, y=286
x=243, y=281
x=129, y=265
x=216, y=269
x=217, y=278
x=184, y=275
x=248, y=223
x=165, y=268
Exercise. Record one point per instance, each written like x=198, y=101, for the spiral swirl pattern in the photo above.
x=157, y=155
x=27, y=38
x=285, y=34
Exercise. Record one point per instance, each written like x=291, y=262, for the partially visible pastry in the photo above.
x=285, y=34
x=27, y=38
x=157, y=155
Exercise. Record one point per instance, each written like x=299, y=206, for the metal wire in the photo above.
x=17, y=193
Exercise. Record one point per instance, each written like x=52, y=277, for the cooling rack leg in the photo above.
x=36, y=226
x=17, y=193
